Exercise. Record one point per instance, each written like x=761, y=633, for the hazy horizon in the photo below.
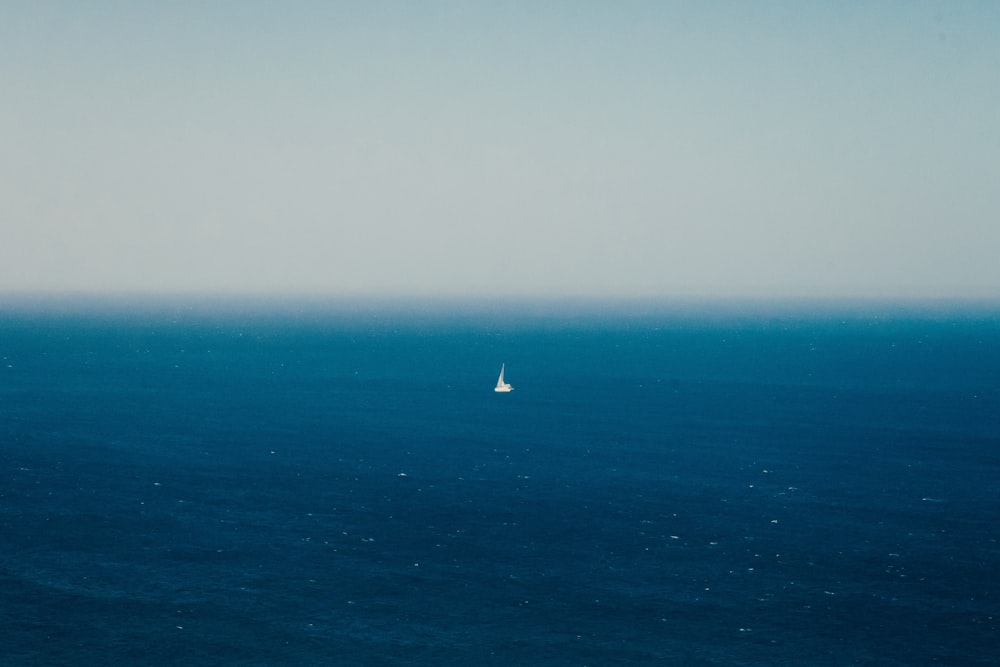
x=501, y=151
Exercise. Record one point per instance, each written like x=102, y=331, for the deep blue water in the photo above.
x=328, y=485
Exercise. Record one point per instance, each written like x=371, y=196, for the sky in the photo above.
x=577, y=148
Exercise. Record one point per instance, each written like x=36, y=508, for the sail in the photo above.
x=501, y=385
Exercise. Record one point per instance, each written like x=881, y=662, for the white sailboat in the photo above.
x=501, y=385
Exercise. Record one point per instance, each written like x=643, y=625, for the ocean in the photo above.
x=293, y=483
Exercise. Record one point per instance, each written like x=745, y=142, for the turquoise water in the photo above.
x=310, y=484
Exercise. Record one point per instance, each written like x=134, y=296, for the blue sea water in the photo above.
x=335, y=484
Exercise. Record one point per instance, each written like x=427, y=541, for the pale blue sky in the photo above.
x=514, y=148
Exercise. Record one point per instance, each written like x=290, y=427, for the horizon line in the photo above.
x=532, y=304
